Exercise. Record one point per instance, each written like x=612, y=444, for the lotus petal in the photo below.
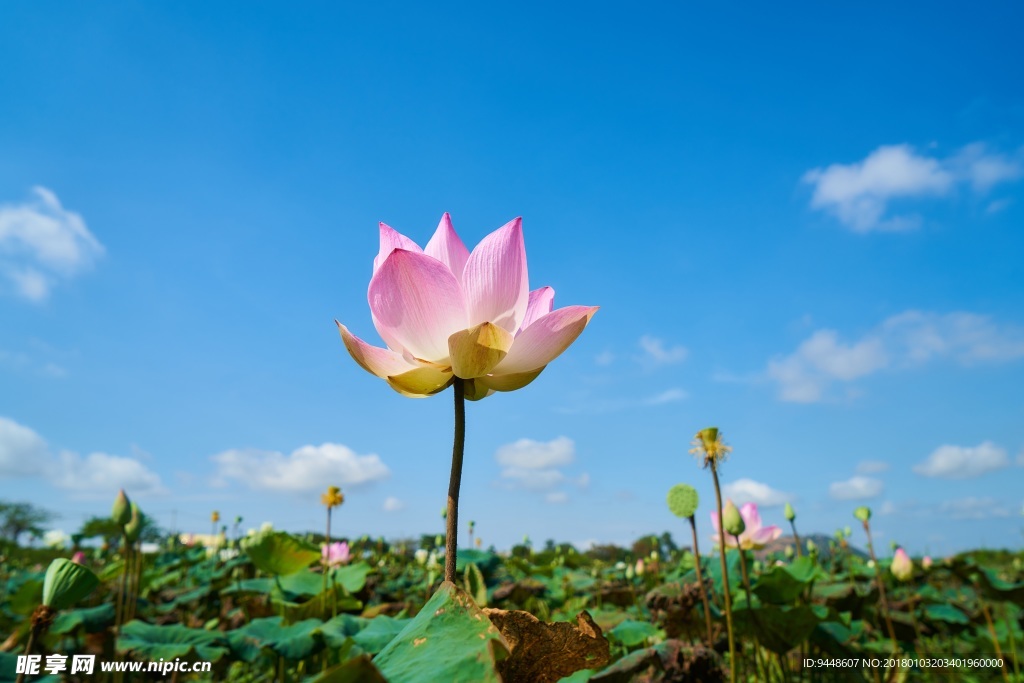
x=475, y=352
x=416, y=300
x=391, y=239
x=447, y=248
x=421, y=382
x=495, y=278
x=380, y=362
x=540, y=303
x=545, y=339
x=509, y=382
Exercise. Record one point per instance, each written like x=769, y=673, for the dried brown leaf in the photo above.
x=546, y=653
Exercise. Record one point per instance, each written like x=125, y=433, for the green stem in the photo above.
x=451, y=542
x=725, y=575
x=796, y=538
x=881, y=588
x=700, y=581
x=995, y=639
x=28, y=650
x=750, y=606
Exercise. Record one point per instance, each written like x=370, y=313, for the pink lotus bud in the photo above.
x=902, y=566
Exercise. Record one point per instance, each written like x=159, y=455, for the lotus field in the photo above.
x=738, y=602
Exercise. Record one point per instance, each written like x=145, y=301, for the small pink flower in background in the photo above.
x=335, y=554
x=926, y=562
x=78, y=558
x=640, y=568
x=902, y=566
x=445, y=312
x=754, y=536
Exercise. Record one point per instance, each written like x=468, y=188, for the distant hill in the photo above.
x=821, y=540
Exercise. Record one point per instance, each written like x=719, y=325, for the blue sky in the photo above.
x=802, y=225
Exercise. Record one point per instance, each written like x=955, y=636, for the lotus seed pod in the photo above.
x=863, y=513
x=732, y=521
x=134, y=526
x=122, y=511
x=683, y=500
x=788, y=511
x=709, y=436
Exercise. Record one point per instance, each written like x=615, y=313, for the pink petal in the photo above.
x=714, y=521
x=545, y=339
x=751, y=517
x=391, y=239
x=416, y=301
x=495, y=279
x=380, y=362
x=765, y=535
x=540, y=304
x=447, y=248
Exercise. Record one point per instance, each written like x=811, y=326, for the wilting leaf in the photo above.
x=544, y=653
x=279, y=553
x=66, y=583
x=149, y=642
x=672, y=660
x=449, y=640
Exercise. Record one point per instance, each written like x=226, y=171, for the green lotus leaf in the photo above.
x=351, y=577
x=683, y=500
x=66, y=583
x=89, y=619
x=631, y=633
x=451, y=639
x=782, y=584
x=946, y=613
x=473, y=582
x=293, y=642
x=279, y=553
x=148, y=642
x=356, y=670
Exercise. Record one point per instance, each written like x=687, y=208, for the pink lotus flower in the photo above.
x=335, y=554
x=78, y=558
x=926, y=563
x=754, y=536
x=445, y=312
x=902, y=566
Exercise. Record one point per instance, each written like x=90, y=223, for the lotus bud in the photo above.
x=134, y=527
x=479, y=542
x=848, y=532
x=732, y=521
x=629, y=572
x=812, y=547
x=902, y=566
x=790, y=514
x=238, y=519
x=926, y=563
x=790, y=553
x=640, y=568
x=893, y=545
x=421, y=556
x=214, y=516
x=79, y=558
x=439, y=540
x=122, y=511
x=444, y=513
x=863, y=513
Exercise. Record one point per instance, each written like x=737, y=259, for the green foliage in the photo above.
x=66, y=583
x=18, y=519
x=279, y=553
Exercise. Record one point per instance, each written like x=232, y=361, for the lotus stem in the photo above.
x=28, y=650
x=882, y=587
x=700, y=580
x=725, y=574
x=451, y=541
x=995, y=639
x=796, y=538
x=750, y=606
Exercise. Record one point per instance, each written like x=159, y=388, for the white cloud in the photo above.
x=22, y=451
x=655, y=351
x=963, y=462
x=973, y=507
x=604, y=358
x=306, y=469
x=856, y=488
x=41, y=242
x=531, y=479
x=888, y=508
x=872, y=467
x=530, y=454
x=667, y=396
x=859, y=194
x=101, y=475
x=392, y=504
x=557, y=497
x=906, y=340
x=750, y=491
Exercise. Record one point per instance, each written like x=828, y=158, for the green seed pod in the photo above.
x=134, y=526
x=863, y=513
x=121, y=512
x=709, y=436
x=790, y=514
x=66, y=583
x=732, y=521
x=682, y=500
